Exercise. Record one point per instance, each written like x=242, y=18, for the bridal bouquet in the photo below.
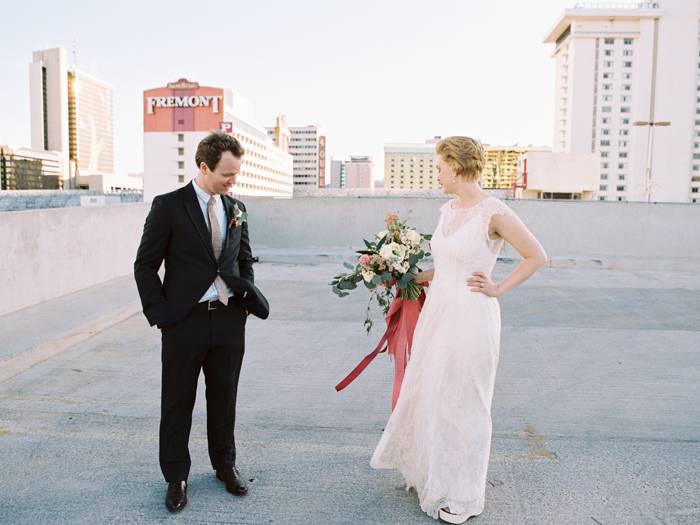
x=389, y=260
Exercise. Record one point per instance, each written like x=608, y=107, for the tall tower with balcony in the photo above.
x=623, y=70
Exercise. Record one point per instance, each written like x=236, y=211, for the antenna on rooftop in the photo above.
x=75, y=54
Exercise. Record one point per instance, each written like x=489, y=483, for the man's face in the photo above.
x=221, y=180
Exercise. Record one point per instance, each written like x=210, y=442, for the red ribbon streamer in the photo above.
x=400, y=324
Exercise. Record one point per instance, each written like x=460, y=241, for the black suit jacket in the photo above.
x=175, y=231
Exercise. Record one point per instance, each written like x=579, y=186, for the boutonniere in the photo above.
x=238, y=216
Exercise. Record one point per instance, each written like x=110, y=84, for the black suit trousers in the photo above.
x=212, y=341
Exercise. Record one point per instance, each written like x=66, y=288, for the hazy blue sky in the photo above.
x=370, y=72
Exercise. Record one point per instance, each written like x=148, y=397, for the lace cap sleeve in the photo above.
x=492, y=207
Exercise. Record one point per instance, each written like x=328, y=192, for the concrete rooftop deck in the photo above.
x=595, y=414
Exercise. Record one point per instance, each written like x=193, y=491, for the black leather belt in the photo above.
x=210, y=305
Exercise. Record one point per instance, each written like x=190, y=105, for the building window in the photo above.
x=180, y=151
x=603, y=176
x=697, y=122
x=602, y=198
x=622, y=199
x=627, y=53
x=605, y=121
x=604, y=154
x=623, y=154
x=608, y=64
x=609, y=40
x=622, y=166
x=607, y=75
x=694, y=190
x=607, y=109
x=623, y=143
x=695, y=179
x=181, y=178
x=627, y=64
x=180, y=165
x=181, y=137
x=604, y=165
x=608, y=52
x=621, y=188
x=696, y=167
x=605, y=143
x=621, y=177
x=696, y=155
x=628, y=41
x=607, y=86
x=625, y=110
x=603, y=187
x=605, y=132
x=624, y=132
x=624, y=121
x=627, y=76
x=607, y=98
x=627, y=87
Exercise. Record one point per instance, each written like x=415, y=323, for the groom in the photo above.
x=201, y=307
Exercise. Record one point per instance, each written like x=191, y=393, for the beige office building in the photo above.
x=413, y=165
x=410, y=165
x=307, y=146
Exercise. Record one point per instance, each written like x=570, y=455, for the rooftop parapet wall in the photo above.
x=53, y=252
x=19, y=200
x=565, y=228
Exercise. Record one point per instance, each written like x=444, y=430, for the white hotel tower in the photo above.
x=628, y=87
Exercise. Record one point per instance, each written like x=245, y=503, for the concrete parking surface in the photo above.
x=595, y=413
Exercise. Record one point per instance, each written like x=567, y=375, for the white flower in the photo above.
x=381, y=235
x=413, y=237
x=367, y=275
x=387, y=250
x=404, y=267
x=399, y=250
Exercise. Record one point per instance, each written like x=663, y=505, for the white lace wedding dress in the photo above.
x=439, y=434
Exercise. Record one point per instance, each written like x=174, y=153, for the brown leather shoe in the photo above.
x=176, y=497
x=235, y=484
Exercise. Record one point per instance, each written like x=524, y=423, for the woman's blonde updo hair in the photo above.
x=464, y=154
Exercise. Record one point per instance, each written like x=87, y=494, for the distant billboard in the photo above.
x=321, y=161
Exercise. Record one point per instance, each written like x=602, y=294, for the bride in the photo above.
x=439, y=434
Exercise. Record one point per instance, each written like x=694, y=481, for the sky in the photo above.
x=369, y=72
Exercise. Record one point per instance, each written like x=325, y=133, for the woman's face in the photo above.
x=445, y=175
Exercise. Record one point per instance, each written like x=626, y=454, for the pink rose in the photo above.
x=364, y=260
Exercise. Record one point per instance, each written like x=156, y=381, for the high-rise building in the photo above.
x=177, y=117
x=359, y=172
x=26, y=169
x=628, y=87
x=307, y=145
x=338, y=174
x=72, y=113
x=413, y=165
x=501, y=168
x=410, y=165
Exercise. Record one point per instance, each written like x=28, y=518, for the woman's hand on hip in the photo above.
x=482, y=283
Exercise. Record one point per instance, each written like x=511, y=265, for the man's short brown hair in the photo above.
x=213, y=145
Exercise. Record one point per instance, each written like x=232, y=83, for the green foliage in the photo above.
x=381, y=271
